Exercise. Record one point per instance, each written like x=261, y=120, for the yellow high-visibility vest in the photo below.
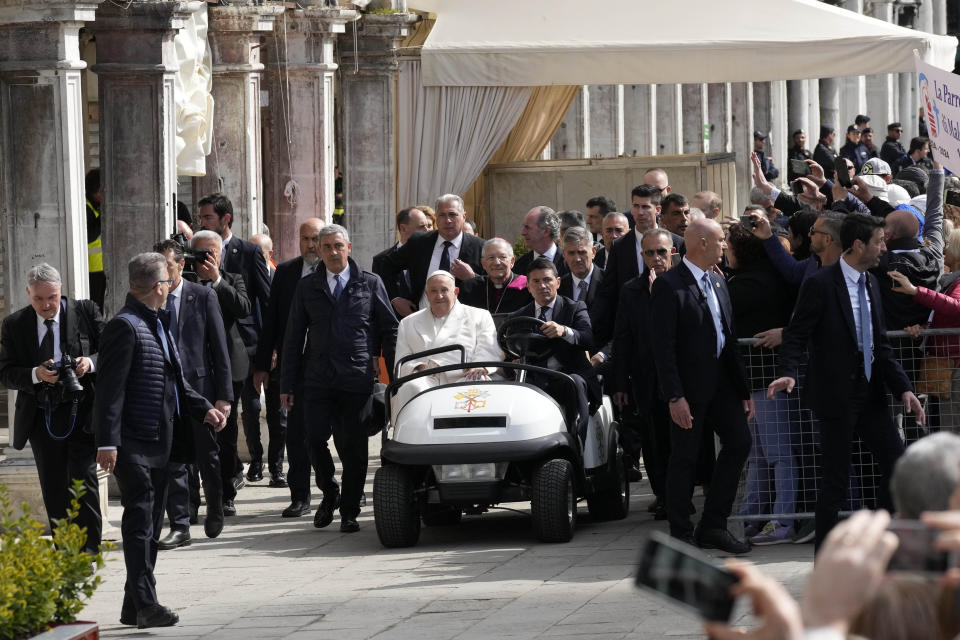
x=95, y=248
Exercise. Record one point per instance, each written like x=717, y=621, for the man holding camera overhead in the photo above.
x=48, y=354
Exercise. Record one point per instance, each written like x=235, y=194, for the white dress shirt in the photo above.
x=698, y=276
x=577, y=281
x=178, y=292
x=57, y=353
x=851, y=277
x=549, y=254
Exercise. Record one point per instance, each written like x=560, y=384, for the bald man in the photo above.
x=708, y=202
x=658, y=178
x=267, y=364
x=703, y=378
x=265, y=242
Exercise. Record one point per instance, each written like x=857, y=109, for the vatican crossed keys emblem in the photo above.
x=470, y=400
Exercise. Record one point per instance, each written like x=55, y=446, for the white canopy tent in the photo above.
x=573, y=42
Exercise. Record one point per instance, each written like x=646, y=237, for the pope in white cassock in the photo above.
x=444, y=323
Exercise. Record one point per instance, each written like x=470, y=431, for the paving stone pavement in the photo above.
x=272, y=577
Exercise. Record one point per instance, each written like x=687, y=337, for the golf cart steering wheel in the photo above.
x=520, y=337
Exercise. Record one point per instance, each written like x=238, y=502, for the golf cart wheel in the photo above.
x=553, y=504
x=441, y=515
x=395, y=510
x=612, y=503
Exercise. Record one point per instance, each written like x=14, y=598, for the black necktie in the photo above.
x=46, y=345
x=543, y=313
x=445, y=256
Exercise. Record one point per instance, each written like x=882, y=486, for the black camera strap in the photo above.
x=48, y=414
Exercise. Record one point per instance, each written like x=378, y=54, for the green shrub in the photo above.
x=520, y=247
x=43, y=580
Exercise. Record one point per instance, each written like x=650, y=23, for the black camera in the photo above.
x=67, y=388
x=190, y=256
x=749, y=222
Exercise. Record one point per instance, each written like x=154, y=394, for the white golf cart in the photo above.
x=467, y=446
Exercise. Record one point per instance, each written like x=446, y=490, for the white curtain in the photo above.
x=446, y=135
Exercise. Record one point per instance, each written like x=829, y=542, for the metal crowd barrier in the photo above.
x=786, y=439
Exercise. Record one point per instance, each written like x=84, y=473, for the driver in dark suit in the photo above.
x=568, y=322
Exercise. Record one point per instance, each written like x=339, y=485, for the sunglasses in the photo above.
x=662, y=252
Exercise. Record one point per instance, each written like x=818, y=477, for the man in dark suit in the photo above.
x=234, y=306
x=838, y=320
x=597, y=209
x=246, y=258
x=350, y=320
x=626, y=261
x=268, y=361
x=567, y=322
x=409, y=221
x=139, y=413
x=501, y=290
x=583, y=281
x=703, y=378
x=196, y=326
x=448, y=248
x=39, y=334
x=541, y=232
x=632, y=376
x=615, y=226
x=823, y=153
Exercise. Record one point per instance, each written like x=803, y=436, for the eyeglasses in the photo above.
x=169, y=282
x=814, y=232
x=662, y=252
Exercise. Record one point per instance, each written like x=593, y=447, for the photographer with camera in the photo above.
x=47, y=353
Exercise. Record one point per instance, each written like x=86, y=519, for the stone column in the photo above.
x=720, y=117
x=940, y=17
x=136, y=63
x=606, y=120
x=798, y=115
x=925, y=16
x=669, y=119
x=368, y=83
x=639, y=120
x=695, y=120
x=908, y=113
x=572, y=138
x=42, y=209
x=742, y=140
x=830, y=105
x=770, y=117
x=299, y=122
x=234, y=167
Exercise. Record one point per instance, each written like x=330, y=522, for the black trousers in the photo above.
x=183, y=484
x=59, y=462
x=653, y=429
x=724, y=413
x=143, y=495
x=276, y=422
x=345, y=416
x=298, y=451
x=98, y=287
x=868, y=417
x=230, y=463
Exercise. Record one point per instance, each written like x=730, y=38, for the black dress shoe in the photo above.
x=721, y=539
x=686, y=537
x=229, y=509
x=213, y=524
x=635, y=474
x=296, y=509
x=176, y=538
x=156, y=615
x=255, y=472
x=128, y=618
x=278, y=479
x=324, y=514
x=349, y=525
x=660, y=513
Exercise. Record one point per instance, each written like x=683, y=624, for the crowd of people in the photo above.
x=649, y=305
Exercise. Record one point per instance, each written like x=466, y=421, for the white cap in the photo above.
x=875, y=167
x=897, y=195
x=876, y=185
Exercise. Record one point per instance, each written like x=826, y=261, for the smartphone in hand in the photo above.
x=684, y=575
x=843, y=175
x=916, y=552
x=799, y=168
